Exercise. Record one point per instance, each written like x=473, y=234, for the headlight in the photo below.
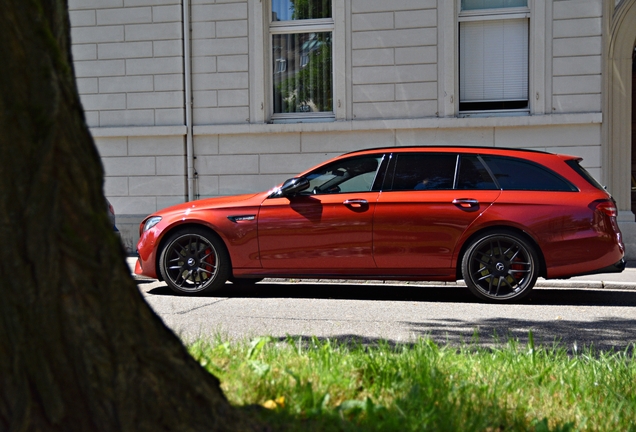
x=151, y=222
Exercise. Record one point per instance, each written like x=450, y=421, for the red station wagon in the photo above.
x=497, y=218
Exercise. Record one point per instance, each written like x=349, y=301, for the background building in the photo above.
x=259, y=90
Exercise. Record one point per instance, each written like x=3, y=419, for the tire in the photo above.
x=500, y=267
x=194, y=261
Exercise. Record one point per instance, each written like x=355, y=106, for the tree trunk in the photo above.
x=80, y=350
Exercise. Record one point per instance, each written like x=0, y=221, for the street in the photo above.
x=602, y=317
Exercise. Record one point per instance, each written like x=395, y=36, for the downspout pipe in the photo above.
x=190, y=171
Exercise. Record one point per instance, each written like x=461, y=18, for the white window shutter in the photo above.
x=494, y=60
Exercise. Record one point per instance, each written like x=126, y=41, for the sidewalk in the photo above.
x=619, y=281
x=626, y=280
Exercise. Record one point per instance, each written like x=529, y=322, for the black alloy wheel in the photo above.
x=500, y=267
x=194, y=261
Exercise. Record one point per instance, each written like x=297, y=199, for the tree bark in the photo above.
x=80, y=350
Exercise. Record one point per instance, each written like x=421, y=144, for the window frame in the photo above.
x=320, y=25
x=480, y=15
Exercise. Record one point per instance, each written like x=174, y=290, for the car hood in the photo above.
x=214, y=203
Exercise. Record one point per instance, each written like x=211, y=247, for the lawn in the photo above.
x=312, y=384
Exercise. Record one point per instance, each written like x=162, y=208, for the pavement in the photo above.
x=625, y=280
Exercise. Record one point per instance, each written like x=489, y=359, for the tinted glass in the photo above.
x=423, y=171
x=584, y=173
x=492, y=4
x=285, y=10
x=518, y=174
x=348, y=175
x=473, y=175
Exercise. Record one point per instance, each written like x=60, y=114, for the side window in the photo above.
x=473, y=175
x=518, y=174
x=355, y=174
x=302, y=62
x=423, y=171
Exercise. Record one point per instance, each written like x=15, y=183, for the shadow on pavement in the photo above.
x=444, y=294
x=603, y=333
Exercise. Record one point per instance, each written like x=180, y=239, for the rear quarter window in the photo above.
x=574, y=164
x=519, y=174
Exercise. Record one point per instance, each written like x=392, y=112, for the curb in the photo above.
x=541, y=283
x=591, y=284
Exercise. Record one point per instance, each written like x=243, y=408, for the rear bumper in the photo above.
x=614, y=268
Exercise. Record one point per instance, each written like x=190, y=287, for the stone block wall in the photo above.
x=129, y=61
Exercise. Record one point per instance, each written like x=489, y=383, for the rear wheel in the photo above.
x=194, y=261
x=500, y=267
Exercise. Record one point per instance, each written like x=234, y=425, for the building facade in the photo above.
x=189, y=99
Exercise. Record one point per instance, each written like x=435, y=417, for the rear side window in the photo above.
x=519, y=174
x=474, y=175
x=422, y=171
x=574, y=164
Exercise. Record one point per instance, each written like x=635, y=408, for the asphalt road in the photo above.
x=575, y=317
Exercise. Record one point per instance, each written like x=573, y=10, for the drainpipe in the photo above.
x=188, y=100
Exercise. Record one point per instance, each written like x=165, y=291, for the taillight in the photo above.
x=607, y=207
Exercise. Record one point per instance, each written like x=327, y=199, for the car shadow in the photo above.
x=604, y=333
x=574, y=337
x=391, y=292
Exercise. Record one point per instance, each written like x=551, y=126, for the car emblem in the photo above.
x=499, y=266
x=242, y=218
x=191, y=262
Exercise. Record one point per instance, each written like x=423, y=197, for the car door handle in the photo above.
x=466, y=202
x=355, y=203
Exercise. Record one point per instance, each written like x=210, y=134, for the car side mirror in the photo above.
x=293, y=185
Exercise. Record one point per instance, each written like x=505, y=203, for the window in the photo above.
x=473, y=175
x=576, y=166
x=493, y=55
x=356, y=174
x=423, y=171
x=302, y=62
x=517, y=174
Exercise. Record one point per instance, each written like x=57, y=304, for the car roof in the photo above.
x=483, y=150
x=461, y=148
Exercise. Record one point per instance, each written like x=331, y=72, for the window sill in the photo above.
x=290, y=118
x=494, y=113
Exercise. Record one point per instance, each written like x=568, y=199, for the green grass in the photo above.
x=313, y=384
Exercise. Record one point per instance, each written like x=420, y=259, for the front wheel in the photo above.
x=194, y=261
x=500, y=267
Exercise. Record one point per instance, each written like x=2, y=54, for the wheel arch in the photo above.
x=165, y=235
x=500, y=229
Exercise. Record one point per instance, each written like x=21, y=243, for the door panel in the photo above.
x=330, y=231
x=420, y=229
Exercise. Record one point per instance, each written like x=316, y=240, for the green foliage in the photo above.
x=311, y=87
x=311, y=384
x=310, y=9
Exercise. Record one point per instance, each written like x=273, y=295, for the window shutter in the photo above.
x=494, y=60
